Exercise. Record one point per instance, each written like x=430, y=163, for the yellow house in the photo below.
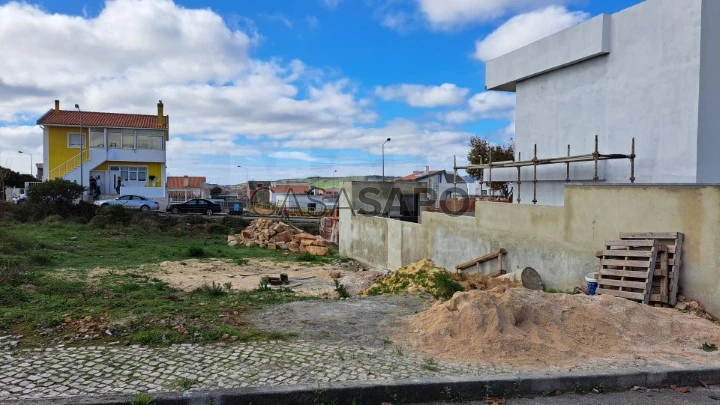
x=125, y=152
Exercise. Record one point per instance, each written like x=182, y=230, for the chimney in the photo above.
x=160, y=115
x=427, y=169
x=186, y=182
x=57, y=105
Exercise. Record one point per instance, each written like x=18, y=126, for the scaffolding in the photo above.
x=596, y=157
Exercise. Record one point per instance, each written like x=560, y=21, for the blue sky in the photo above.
x=283, y=88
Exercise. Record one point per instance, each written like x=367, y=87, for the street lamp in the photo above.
x=31, y=162
x=383, y=158
x=246, y=174
x=82, y=149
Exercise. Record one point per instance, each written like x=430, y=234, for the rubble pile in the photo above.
x=273, y=235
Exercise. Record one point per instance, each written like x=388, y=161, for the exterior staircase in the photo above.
x=70, y=169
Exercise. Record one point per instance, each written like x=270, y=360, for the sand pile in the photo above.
x=425, y=276
x=523, y=327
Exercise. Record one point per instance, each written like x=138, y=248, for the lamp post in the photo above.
x=82, y=149
x=383, y=158
x=246, y=174
x=31, y=161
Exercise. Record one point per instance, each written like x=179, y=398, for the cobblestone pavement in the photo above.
x=78, y=371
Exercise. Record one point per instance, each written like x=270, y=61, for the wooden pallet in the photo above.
x=665, y=289
x=627, y=268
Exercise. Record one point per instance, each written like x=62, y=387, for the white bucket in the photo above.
x=592, y=277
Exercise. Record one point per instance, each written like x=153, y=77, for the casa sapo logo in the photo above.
x=374, y=201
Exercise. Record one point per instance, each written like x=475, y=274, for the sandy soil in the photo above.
x=530, y=328
x=305, y=279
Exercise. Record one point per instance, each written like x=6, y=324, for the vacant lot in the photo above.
x=101, y=282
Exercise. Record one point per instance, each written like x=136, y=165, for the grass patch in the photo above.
x=709, y=347
x=44, y=282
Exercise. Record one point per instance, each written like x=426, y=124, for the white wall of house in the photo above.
x=291, y=200
x=651, y=72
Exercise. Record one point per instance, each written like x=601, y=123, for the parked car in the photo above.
x=197, y=205
x=131, y=201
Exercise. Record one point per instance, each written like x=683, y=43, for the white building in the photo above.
x=651, y=72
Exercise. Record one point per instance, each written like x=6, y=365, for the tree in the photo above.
x=215, y=191
x=58, y=190
x=481, y=150
x=10, y=178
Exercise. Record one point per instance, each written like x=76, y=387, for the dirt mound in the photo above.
x=425, y=276
x=524, y=327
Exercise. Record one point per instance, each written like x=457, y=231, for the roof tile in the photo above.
x=101, y=119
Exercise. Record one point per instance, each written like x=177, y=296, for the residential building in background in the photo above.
x=183, y=188
x=112, y=146
x=441, y=184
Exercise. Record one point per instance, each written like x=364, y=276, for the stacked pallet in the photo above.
x=644, y=267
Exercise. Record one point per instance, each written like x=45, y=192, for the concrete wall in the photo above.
x=709, y=132
x=659, y=83
x=559, y=242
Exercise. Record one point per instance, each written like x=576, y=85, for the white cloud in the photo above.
x=292, y=155
x=451, y=14
x=227, y=107
x=424, y=96
x=525, y=29
x=489, y=104
x=312, y=21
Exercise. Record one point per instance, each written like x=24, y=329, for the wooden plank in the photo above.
x=677, y=266
x=661, y=273
x=622, y=294
x=648, y=235
x=482, y=259
x=631, y=243
x=623, y=273
x=626, y=253
x=625, y=263
x=621, y=283
x=651, y=272
x=664, y=282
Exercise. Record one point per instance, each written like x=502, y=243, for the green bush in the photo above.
x=57, y=190
x=306, y=257
x=445, y=286
x=195, y=251
x=115, y=215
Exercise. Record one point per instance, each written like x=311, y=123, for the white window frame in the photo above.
x=70, y=135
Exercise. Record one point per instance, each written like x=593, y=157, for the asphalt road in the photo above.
x=642, y=396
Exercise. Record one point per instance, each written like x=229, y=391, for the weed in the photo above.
x=264, y=284
x=399, y=351
x=578, y=388
x=430, y=365
x=488, y=390
x=445, y=285
x=451, y=396
x=214, y=289
x=185, y=383
x=228, y=286
x=709, y=347
x=306, y=257
x=195, y=251
x=341, y=290
x=386, y=341
x=241, y=261
x=142, y=398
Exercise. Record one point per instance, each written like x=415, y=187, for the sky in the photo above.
x=283, y=88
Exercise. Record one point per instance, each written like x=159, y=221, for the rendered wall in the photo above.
x=659, y=83
x=559, y=242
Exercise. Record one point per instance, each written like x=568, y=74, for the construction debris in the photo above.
x=527, y=277
x=644, y=267
x=522, y=327
x=425, y=276
x=274, y=235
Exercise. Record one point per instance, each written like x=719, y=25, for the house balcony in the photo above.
x=134, y=155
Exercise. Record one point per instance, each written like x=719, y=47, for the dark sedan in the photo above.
x=197, y=205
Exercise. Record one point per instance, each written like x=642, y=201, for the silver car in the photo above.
x=132, y=202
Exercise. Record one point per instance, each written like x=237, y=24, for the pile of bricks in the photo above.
x=273, y=235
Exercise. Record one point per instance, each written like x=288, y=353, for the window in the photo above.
x=74, y=140
x=97, y=140
x=124, y=198
x=130, y=173
x=128, y=140
x=115, y=139
x=150, y=140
